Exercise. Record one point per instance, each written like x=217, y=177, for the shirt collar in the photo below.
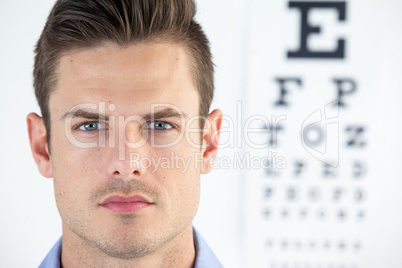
x=204, y=257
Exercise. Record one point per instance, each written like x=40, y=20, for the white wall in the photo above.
x=249, y=42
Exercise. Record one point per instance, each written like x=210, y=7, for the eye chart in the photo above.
x=321, y=100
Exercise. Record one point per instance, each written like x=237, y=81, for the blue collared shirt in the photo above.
x=204, y=257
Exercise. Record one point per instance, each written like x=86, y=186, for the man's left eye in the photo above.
x=159, y=125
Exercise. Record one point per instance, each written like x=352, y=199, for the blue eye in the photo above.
x=91, y=126
x=159, y=125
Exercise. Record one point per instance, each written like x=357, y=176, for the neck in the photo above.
x=177, y=252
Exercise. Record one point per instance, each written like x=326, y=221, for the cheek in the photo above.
x=69, y=186
x=181, y=180
x=74, y=172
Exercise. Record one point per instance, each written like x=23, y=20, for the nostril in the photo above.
x=116, y=173
x=136, y=173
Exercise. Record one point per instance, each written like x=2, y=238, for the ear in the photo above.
x=39, y=146
x=211, y=139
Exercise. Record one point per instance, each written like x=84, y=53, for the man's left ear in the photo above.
x=211, y=139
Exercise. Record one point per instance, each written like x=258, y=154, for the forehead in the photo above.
x=139, y=73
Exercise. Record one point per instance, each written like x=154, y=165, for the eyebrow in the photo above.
x=164, y=113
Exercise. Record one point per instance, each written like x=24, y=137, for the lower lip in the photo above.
x=122, y=207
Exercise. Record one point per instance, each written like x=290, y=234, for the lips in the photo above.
x=125, y=204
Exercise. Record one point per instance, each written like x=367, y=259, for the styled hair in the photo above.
x=75, y=24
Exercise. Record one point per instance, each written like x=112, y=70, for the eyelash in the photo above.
x=164, y=131
x=87, y=132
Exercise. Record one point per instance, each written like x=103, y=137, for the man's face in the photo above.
x=95, y=187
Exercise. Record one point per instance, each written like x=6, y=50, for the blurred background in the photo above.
x=311, y=92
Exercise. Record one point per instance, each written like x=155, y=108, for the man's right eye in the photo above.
x=91, y=126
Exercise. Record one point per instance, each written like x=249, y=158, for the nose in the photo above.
x=129, y=158
x=129, y=168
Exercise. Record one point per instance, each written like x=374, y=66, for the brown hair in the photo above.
x=74, y=24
